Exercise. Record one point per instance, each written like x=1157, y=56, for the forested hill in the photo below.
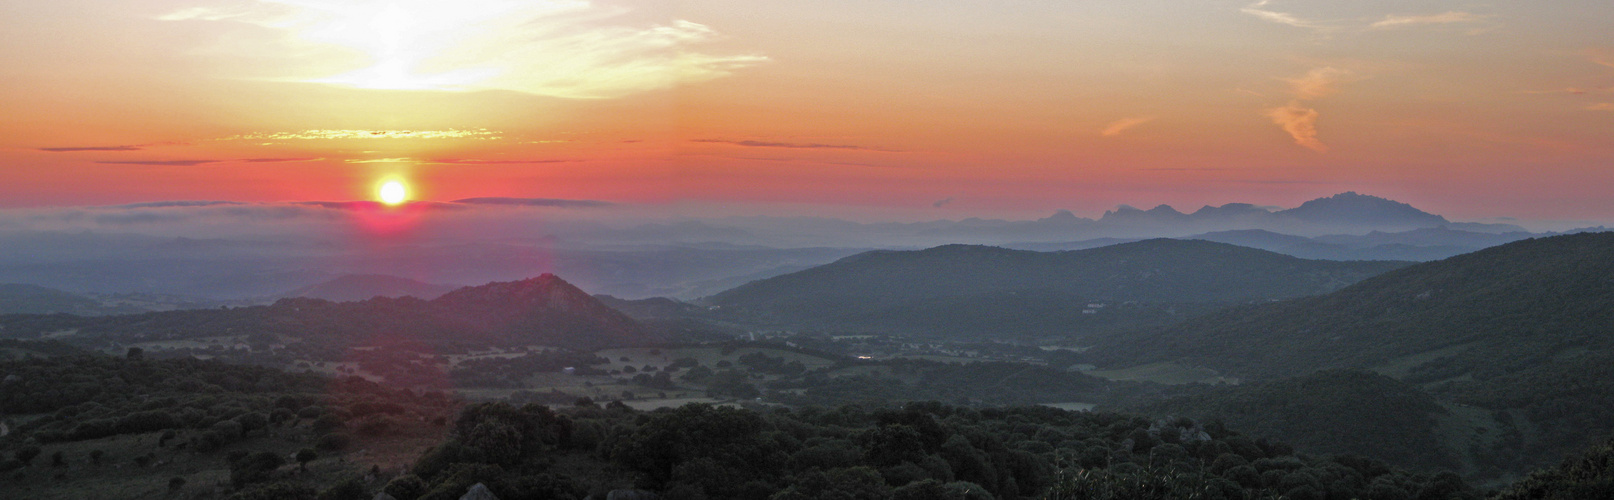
x=34, y=299
x=990, y=288
x=544, y=310
x=1480, y=315
x=1329, y=412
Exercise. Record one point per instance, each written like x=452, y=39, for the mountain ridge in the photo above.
x=1046, y=288
x=541, y=310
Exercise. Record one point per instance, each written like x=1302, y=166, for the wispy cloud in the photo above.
x=536, y=202
x=1300, y=122
x=1602, y=106
x=1451, y=17
x=189, y=163
x=793, y=145
x=471, y=161
x=1601, y=56
x=278, y=160
x=1262, y=10
x=376, y=205
x=1259, y=10
x=1565, y=90
x=169, y=163
x=942, y=202
x=379, y=160
x=336, y=134
x=1115, y=128
x=175, y=203
x=1318, y=83
x=561, y=48
x=92, y=148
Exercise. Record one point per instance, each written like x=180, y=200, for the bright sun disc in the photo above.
x=393, y=193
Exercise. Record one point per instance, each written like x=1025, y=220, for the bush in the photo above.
x=254, y=468
x=335, y=441
x=351, y=488
x=405, y=487
x=27, y=454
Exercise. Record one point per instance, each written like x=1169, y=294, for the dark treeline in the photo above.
x=920, y=451
x=1333, y=411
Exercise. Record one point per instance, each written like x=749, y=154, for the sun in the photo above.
x=393, y=193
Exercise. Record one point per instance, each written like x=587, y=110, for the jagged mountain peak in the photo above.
x=1359, y=209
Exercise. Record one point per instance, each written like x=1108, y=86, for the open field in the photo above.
x=1165, y=373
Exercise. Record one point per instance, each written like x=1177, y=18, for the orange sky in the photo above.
x=1468, y=109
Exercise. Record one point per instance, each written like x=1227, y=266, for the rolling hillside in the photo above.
x=544, y=310
x=1518, y=336
x=978, y=290
x=1482, y=314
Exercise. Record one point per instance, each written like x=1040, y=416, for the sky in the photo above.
x=938, y=109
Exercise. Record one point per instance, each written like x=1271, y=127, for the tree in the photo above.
x=351, y=488
x=304, y=456
x=136, y=354
x=26, y=454
x=254, y=468
x=176, y=483
x=405, y=487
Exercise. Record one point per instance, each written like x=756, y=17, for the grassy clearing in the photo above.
x=707, y=356
x=120, y=473
x=1071, y=406
x=654, y=404
x=1465, y=428
x=1165, y=373
x=940, y=358
x=1399, y=368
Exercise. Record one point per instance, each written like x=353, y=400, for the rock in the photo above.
x=383, y=496
x=631, y=495
x=479, y=491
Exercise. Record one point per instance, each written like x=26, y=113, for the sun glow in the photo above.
x=393, y=193
x=563, y=48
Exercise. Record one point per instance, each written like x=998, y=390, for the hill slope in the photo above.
x=544, y=310
x=354, y=287
x=1520, y=334
x=978, y=289
x=1498, y=311
x=34, y=299
x=1328, y=412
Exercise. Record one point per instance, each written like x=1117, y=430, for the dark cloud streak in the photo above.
x=167, y=163
x=467, y=161
x=535, y=202
x=92, y=148
x=793, y=145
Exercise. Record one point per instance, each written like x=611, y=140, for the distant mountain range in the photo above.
x=545, y=310
x=983, y=291
x=34, y=299
x=355, y=287
x=1422, y=245
x=1344, y=213
x=680, y=257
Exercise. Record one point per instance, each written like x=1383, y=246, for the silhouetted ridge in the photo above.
x=544, y=310
x=990, y=289
x=1359, y=209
